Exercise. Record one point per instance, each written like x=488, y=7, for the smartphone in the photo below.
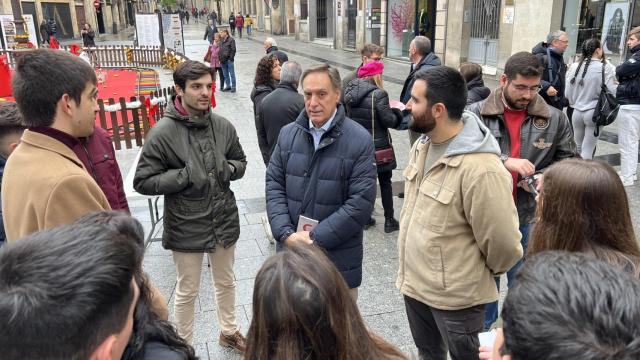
x=487, y=338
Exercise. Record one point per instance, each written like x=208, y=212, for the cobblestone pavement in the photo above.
x=380, y=302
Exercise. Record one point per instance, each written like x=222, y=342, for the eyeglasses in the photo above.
x=524, y=88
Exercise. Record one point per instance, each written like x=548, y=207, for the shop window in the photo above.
x=609, y=21
x=405, y=20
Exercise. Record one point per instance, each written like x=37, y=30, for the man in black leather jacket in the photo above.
x=628, y=95
x=544, y=136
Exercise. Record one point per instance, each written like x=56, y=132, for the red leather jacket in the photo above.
x=99, y=157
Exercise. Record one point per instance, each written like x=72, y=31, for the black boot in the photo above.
x=391, y=225
x=370, y=223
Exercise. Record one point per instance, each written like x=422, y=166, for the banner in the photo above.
x=172, y=32
x=8, y=31
x=148, y=30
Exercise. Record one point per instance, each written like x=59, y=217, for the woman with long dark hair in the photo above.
x=302, y=309
x=267, y=77
x=583, y=207
x=367, y=103
x=584, y=80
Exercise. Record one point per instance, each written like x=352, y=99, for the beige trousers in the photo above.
x=189, y=268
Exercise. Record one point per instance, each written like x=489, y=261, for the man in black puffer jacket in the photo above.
x=323, y=168
x=628, y=95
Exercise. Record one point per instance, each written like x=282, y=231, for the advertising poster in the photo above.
x=172, y=32
x=31, y=27
x=8, y=31
x=148, y=30
x=616, y=20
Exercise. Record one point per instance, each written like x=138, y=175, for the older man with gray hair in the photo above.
x=281, y=107
x=270, y=46
x=553, y=80
x=422, y=57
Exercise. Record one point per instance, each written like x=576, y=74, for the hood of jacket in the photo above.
x=541, y=49
x=197, y=122
x=259, y=89
x=474, y=138
x=357, y=90
x=272, y=49
x=475, y=82
x=430, y=60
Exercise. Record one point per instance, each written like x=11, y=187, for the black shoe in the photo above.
x=226, y=89
x=370, y=223
x=233, y=90
x=401, y=195
x=391, y=225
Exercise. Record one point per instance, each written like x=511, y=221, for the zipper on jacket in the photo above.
x=91, y=166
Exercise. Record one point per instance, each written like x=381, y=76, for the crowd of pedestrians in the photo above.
x=494, y=185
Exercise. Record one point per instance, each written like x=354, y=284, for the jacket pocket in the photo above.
x=410, y=172
x=433, y=206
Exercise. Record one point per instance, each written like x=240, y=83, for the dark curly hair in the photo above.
x=263, y=71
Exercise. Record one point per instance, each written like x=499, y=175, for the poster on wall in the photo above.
x=172, y=32
x=8, y=31
x=148, y=30
x=616, y=19
x=31, y=28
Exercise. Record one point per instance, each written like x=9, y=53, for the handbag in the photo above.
x=607, y=107
x=207, y=56
x=383, y=156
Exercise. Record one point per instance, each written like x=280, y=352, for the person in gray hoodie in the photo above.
x=459, y=224
x=584, y=80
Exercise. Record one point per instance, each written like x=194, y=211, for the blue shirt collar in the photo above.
x=326, y=125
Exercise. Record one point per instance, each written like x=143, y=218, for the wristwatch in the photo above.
x=286, y=235
x=504, y=157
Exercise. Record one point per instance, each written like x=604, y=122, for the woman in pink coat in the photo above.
x=214, y=49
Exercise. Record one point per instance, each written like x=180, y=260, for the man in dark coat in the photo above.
x=279, y=108
x=232, y=24
x=213, y=16
x=321, y=178
x=210, y=31
x=190, y=157
x=227, y=55
x=271, y=47
x=553, y=78
x=422, y=57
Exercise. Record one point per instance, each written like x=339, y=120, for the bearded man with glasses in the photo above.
x=532, y=136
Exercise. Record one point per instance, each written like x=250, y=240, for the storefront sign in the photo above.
x=148, y=30
x=339, y=7
x=614, y=27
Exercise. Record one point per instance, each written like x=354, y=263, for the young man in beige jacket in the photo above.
x=458, y=226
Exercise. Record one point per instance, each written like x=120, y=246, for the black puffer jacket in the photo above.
x=257, y=94
x=628, y=74
x=357, y=99
x=191, y=161
x=335, y=184
x=556, y=78
x=428, y=61
x=476, y=91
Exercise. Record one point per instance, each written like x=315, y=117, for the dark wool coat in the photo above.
x=335, y=185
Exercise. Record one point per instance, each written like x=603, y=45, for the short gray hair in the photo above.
x=271, y=41
x=422, y=45
x=333, y=73
x=290, y=73
x=554, y=35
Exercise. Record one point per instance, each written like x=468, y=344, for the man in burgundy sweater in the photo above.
x=532, y=136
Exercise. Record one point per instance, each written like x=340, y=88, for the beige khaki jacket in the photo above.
x=459, y=224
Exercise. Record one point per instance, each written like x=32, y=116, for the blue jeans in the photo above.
x=491, y=309
x=229, y=74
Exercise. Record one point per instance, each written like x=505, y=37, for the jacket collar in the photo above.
x=336, y=125
x=495, y=106
x=48, y=143
x=287, y=87
x=635, y=49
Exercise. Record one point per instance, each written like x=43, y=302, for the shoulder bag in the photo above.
x=383, y=156
x=207, y=56
x=607, y=107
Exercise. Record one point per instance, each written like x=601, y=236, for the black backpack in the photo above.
x=607, y=107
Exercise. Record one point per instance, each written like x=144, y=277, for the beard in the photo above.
x=516, y=104
x=422, y=123
x=193, y=103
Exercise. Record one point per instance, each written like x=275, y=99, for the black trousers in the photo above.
x=435, y=331
x=386, y=192
x=220, y=76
